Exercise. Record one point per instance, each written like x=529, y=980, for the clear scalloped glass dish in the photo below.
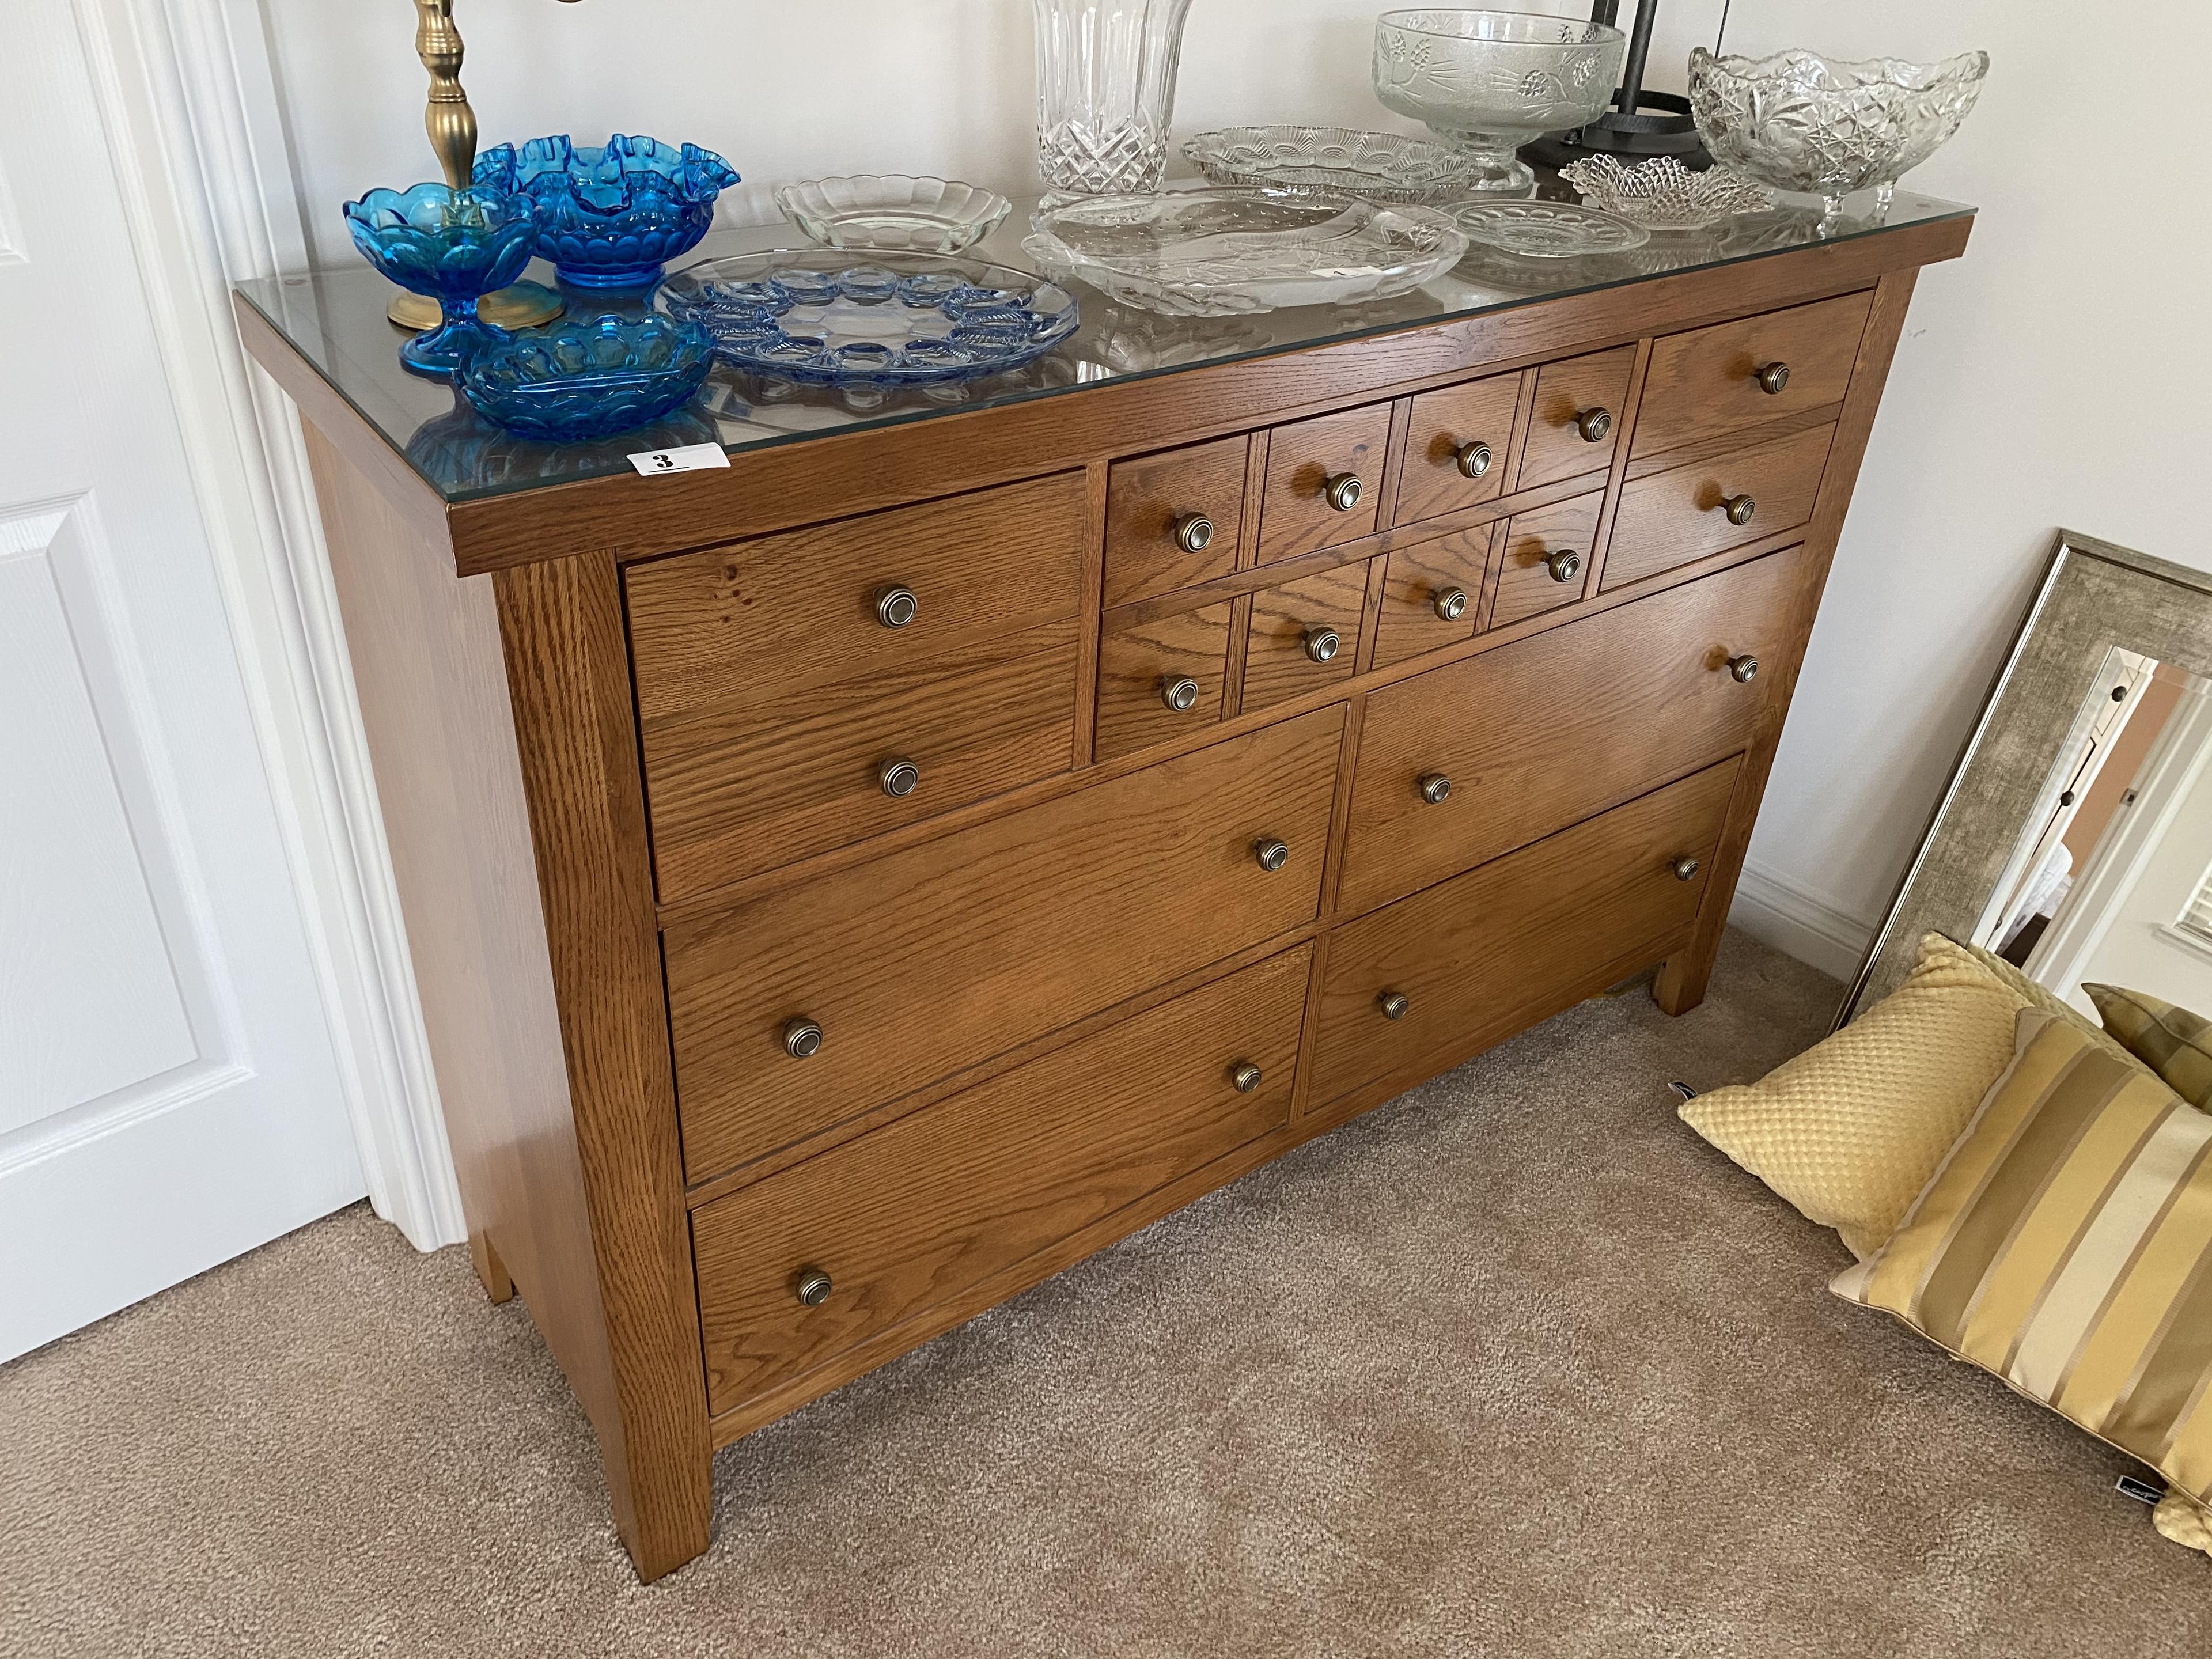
x=894, y=212
x=1548, y=230
x=819, y=317
x=1374, y=166
x=1228, y=252
x=1664, y=195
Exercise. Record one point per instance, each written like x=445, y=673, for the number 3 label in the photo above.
x=696, y=459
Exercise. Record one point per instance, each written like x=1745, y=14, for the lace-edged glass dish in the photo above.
x=894, y=212
x=590, y=379
x=1373, y=166
x=1231, y=251
x=1664, y=195
x=819, y=316
x=1549, y=230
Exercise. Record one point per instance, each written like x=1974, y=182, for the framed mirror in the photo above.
x=2074, y=838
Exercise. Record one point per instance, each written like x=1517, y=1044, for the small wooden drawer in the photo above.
x=1140, y=668
x=1172, y=520
x=1547, y=556
x=1305, y=508
x=1457, y=446
x=1672, y=517
x=1542, y=732
x=1513, y=941
x=902, y=1220
x=1713, y=381
x=1305, y=634
x=939, y=956
x=1432, y=593
x=1576, y=422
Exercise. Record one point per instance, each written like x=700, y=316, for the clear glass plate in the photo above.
x=1549, y=230
x=1226, y=252
x=1374, y=166
x=894, y=212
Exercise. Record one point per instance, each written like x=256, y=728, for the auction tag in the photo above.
x=696, y=458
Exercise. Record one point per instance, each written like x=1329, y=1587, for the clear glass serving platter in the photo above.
x=1229, y=250
x=1373, y=166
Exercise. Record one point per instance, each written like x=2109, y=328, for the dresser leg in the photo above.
x=1682, y=979
x=489, y=1269
x=664, y=1508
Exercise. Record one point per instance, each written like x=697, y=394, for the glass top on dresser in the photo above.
x=335, y=320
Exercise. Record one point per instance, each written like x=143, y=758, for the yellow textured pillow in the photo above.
x=2170, y=1040
x=2065, y=1245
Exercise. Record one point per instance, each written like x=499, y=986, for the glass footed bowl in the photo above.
x=589, y=378
x=894, y=212
x=612, y=216
x=456, y=245
x=1374, y=166
x=1826, y=127
x=1489, y=81
x=1664, y=195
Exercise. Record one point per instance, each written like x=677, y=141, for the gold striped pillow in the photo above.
x=2065, y=1244
x=2172, y=1042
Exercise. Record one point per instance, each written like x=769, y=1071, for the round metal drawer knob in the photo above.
x=1686, y=869
x=1566, y=565
x=1179, y=693
x=1740, y=508
x=802, y=1039
x=1451, y=604
x=1744, y=670
x=1322, y=644
x=1343, y=491
x=1472, y=460
x=1435, y=789
x=900, y=778
x=1246, y=1076
x=896, y=606
x=1272, y=854
x=1194, y=532
x=1596, y=425
x=1773, y=378
x=813, y=1287
x=1394, y=1005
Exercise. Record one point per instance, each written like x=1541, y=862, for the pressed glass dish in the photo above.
x=1488, y=81
x=1374, y=166
x=894, y=212
x=1664, y=195
x=1548, y=230
x=589, y=378
x=612, y=216
x=455, y=245
x=1827, y=127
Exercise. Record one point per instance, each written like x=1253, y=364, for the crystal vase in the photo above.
x=1106, y=86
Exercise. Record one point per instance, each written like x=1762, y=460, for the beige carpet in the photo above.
x=1514, y=1366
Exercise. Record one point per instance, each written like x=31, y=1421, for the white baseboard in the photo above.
x=1800, y=923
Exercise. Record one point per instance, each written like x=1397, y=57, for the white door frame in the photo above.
x=188, y=100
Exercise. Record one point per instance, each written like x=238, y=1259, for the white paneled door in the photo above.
x=168, y=1093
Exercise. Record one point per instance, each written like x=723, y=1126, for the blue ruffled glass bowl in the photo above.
x=613, y=215
x=589, y=378
x=456, y=245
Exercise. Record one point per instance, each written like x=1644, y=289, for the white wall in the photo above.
x=2055, y=376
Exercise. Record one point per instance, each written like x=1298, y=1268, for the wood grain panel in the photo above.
x=1526, y=585
x=1147, y=499
x=1134, y=664
x=1543, y=733
x=941, y=955
x=1295, y=515
x=905, y=1217
x=1499, y=943
x=1672, y=517
x=1276, y=665
x=1444, y=422
x=1702, y=385
x=1555, y=448
x=1415, y=577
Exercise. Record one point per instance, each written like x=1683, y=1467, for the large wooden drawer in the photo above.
x=1511, y=942
x=903, y=1219
x=1540, y=734
x=940, y=955
x=1709, y=506
x=1708, y=383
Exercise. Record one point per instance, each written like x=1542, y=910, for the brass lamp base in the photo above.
x=523, y=306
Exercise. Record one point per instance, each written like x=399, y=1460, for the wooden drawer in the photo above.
x=1545, y=732
x=1419, y=587
x=937, y=956
x=1547, y=555
x=1446, y=425
x=1672, y=517
x=1706, y=384
x=1560, y=442
x=904, y=1218
x=1291, y=623
x=1513, y=941
x=1297, y=515
x=1137, y=665
x=1151, y=505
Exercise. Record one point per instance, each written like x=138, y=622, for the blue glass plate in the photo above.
x=589, y=378
x=820, y=317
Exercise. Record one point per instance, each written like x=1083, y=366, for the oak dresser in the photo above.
x=850, y=886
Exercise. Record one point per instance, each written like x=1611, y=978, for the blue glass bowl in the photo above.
x=612, y=217
x=588, y=379
x=456, y=245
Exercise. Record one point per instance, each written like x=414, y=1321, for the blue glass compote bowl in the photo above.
x=456, y=245
x=612, y=216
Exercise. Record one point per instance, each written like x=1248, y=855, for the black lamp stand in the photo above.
x=1641, y=125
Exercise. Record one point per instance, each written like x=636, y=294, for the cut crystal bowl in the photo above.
x=612, y=216
x=894, y=212
x=1374, y=166
x=1664, y=195
x=1826, y=127
x=1488, y=81
x=588, y=379
x=456, y=245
